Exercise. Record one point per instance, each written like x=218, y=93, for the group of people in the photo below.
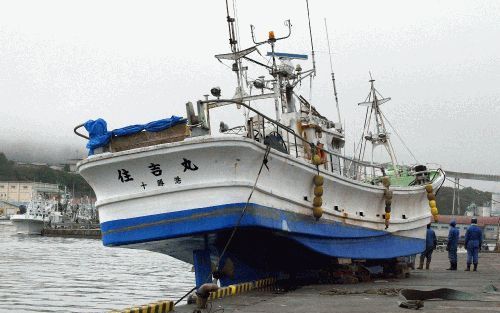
x=473, y=242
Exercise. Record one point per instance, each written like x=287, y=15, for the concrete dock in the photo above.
x=72, y=233
x=378, y=295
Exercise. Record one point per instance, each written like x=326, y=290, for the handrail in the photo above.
x=79, y=134
x=357, y=173
x=294, y=134
x=251, y=109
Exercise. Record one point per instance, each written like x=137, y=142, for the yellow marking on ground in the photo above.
x=168, y=306
x=156, y=307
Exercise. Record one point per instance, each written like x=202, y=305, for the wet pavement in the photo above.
x=378, y=295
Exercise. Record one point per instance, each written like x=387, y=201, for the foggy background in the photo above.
x=130, y=62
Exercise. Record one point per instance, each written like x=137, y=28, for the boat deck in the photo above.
x=371, y=297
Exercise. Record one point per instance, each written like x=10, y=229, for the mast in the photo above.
x=233, y=42
x=381, y=136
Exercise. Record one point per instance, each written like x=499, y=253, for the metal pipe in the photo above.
x=79, y=134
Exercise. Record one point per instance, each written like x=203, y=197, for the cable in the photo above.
x=185, y=295
x=401, y=139
x=264, y=163
x=439, y=188
x=460, y=185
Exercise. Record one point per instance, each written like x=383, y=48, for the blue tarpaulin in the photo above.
x=100, y=136
x=165, y=123
x=98, y=133
x=127, y=130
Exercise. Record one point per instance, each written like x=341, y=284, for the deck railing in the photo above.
x=265, y=126
x=336, y=163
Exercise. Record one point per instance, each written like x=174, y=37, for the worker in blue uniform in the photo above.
x=452, y=246
x=473, y=242
x=430, y=245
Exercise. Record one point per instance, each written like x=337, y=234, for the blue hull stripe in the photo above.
x=384, y=247
x=326, y=237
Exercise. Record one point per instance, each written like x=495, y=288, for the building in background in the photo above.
x=495, y=204
x=8, y=208
x=489, y=225
x=22, y=192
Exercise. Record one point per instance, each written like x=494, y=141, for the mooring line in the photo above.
x=264, y=163
x=235, y=228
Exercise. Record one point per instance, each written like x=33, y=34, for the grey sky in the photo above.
x=63, y=62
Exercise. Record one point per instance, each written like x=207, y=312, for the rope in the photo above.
x=401, y=139
x=185, y=295
x=264, y=163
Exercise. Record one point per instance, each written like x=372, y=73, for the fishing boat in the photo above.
x=32, y=218
x=272, y=195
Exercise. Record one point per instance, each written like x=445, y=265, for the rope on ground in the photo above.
x=413, y=298
x=185, y=295
x=378, y=291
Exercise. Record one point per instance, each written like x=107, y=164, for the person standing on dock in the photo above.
x=451, y=247
x=430, y=245
x=473, y=242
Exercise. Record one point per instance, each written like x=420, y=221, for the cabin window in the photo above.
x=336, y=144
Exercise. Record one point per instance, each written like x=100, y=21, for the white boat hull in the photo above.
x=26, y=225
x=145, y=213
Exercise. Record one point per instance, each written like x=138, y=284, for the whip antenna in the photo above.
x=311, y=36
x=333, y=76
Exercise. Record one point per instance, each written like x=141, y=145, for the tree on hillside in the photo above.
x=6, y=168
x=9, y=171
x=468, y=195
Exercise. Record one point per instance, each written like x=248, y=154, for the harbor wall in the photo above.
x=74, y=233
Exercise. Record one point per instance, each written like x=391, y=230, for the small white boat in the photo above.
x=32, y=219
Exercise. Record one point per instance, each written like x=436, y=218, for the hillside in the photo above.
x=468, y=195
x=9, y=171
